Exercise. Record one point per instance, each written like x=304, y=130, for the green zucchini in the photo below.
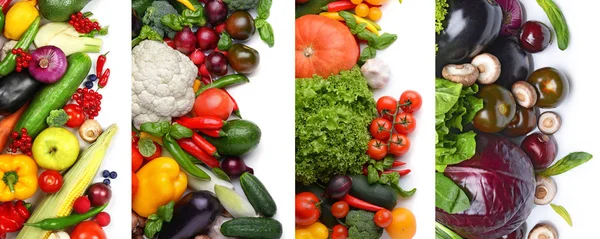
x=258, y=195
x=378, y=194
x=311, y=7
x=54, y=96
x=252, y=228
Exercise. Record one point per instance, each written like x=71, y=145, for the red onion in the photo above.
x=99, y=194
x=48, y=64
x=513, y=15
x=185, y=41
x=235, y=167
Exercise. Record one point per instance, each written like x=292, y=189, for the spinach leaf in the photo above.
x=565, y=164
x=449, y=197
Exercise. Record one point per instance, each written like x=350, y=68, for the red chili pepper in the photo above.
x=201, y=122
x=339, y=6
x=402, y=172
x=236, y=109
x=100, y=64
x=189, y=146
x=205, y=145
x=5, y=4
x=13, y=215
x=360, y=204
x=215, y=133
x=104, y=79
x=398, y=163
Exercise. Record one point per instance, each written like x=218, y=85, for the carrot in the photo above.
x=8, y=123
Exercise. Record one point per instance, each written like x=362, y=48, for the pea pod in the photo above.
x=182, y=158
x=224, y=82
x=9, y=63
x=60, y=223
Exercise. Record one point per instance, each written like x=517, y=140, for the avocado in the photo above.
x=60, y=10
x=241, y=136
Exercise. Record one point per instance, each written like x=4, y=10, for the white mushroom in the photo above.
x=543, y=231
x=90, y=130
x=545, y=190
x=549, y=122
x=377, y=73
x=59, y=235
x=525, y=94
x=488, y=66
x=465, y=74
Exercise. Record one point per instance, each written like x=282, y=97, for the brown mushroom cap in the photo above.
x=549, y=122
x=465, y=74
x=545, y=190
x=525, y=94
x=543, y=231
x=488, y=66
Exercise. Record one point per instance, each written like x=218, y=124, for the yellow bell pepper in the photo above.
x=315, y=231
x=156, y=139
x=197, y=85
x=160, y=181
x=18, y=177
x=336, y=16
x=18, y=18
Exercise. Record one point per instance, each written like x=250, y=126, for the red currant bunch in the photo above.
x=89, y=100
x=22, y=59
x=22, y=142
x=83, y=24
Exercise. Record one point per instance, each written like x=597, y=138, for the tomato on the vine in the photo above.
x=339, y=232
x=340, y=209
x=381, y=129
x=50, y=181
x=405, y=123
x=76, y=115
x=387, y=106
x=377, y=149
x=399, y=144
x=410, y=101
x=88, y=230
x=383, y=218
x=307, y=211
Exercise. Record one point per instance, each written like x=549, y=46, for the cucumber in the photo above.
x=252, y=228
x=54, y=96
x=241, y=136
x=326, y=217
x=311, y=7
x=258, y=195
x=378, y=194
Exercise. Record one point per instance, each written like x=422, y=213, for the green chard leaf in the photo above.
x=563, y=213
x=559, y=23
x=449, y=196
x=565, y=164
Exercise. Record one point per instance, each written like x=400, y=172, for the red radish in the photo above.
x=169, y=42
x=185, y=40
x=103, y=219
x=204, y=71
x=207, y=38
x=216, y=63
x=48, y=64
x=82, y=205
x=197, y=56
x=220, y=28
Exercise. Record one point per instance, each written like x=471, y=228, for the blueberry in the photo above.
x=106, y=181
x=89, y=84
x=113, y=174
x=92, y=77
x=105, y=173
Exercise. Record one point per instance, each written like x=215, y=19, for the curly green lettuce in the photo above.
x=441, y=10
x=332, y=119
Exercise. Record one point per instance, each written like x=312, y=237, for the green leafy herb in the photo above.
x=449, y=197
x=559, y=23
x=384, y=41
x=265, y=30
x=147, y=147
x=178, y=131
x=165, y=212
x=152, y=227
x=57, y=118
x=565, y=164
x=225, y=42
x=441, y=10
x=187, y=18
x=158, y=129
x=146, y=34
x=374, y=42
x=155, y=221
x=264, y=8
x=266, y=34
x=563, y=213
x=442, y=232
x=368, y=53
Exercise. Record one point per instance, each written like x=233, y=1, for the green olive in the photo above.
x=499, y=109
x=243, y=59
x=524, y=122
x=551, y=85
x=240, y=25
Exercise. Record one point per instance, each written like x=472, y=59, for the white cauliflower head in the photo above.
x=162, y=81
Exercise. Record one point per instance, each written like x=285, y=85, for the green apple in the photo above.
x=55, y=148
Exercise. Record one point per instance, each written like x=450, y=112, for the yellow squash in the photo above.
x=18, y=18
x=18, y=177
x=160, y=181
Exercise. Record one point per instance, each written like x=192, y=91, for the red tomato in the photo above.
x=383, y=218
x=399, y=144
x=76, y=115
x=405, y=123
x=214, y=102
x=88, y=230
x=410, y=101
x=387, y=106
x=50, y=181
x=134, y=137
x=134, y=185
x=156, y=154
x=340, y=209
x=377, y=149
x=307, y=211
x=136, y=158
x=381, y=129
x=339, y=232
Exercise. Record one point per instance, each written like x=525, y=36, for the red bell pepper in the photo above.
x=5, y=4
x=360, y=204
x=205, y=145
x=201, y=122
x=13, y=215
x=189, y=146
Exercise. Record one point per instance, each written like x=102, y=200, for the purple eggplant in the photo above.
x=192, y=215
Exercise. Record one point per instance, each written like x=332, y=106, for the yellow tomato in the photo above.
x=356, y=1
x=375, y=13
x=377, y=2
x=362, y=10
x=404, y=225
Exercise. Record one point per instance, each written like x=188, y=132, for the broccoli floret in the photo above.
x=57, y=118
x=234, y=5
x=361, y=225
x=154, y=14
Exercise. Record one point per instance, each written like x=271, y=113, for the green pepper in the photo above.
x=182, y=158
x=9, y=63
x=2, y=19
x=223, y=82
x=60, y=223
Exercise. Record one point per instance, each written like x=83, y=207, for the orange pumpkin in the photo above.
x=323, y=46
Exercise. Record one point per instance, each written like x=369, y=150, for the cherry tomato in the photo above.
x=307, y=211
x=214, y=102
x=362, y=10
x=377, y=149
x=410, y=101
x=340, y=209
x=88, y=230
x=136, y=158
x=50, y=181
x=405, y=123
x=383, y=218
x=403, y=225
x=134, y=185
x=356, y=2
x=399, y=144
x=156, y=154
x=76, y=115
x=375, y=13
x=339, y=232
x=387, y=106
x=381, y=129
